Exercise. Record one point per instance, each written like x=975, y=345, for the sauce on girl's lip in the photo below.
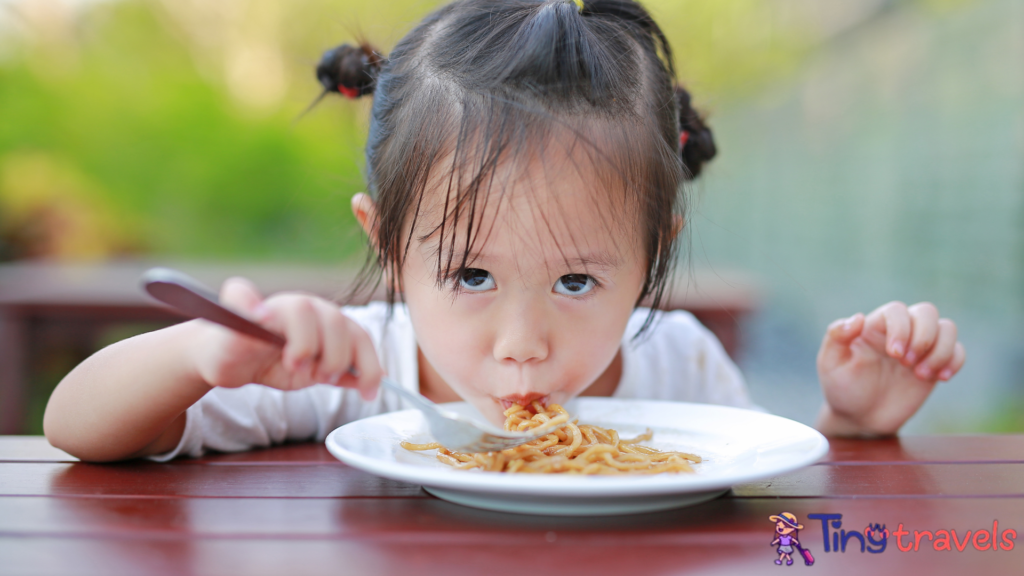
x=524, y=400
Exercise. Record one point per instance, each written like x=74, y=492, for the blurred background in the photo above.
x=870, y=150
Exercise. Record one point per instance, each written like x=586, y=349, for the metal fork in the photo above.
x=451, y=430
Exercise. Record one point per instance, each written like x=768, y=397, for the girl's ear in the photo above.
x=678, y=222
x=365, y=211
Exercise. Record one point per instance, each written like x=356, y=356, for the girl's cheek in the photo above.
x=593, y=339
x=454, y=342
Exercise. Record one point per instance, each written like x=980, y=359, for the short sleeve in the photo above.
x=255, y=416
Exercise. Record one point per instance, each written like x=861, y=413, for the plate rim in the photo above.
x=572, y=486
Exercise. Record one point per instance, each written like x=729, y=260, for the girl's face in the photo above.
x=782, y=528
x=553, y=278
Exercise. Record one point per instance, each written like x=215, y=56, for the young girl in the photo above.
x=525, y=162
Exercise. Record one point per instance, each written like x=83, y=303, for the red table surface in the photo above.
x=296, y=510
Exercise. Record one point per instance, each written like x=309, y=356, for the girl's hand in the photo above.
x=877, y=371
x=322, y=344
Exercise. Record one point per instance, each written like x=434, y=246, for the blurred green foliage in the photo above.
x=177, y=120
x=188, y=170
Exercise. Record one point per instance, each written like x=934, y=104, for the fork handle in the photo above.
x=187, y=295
x=418, y=400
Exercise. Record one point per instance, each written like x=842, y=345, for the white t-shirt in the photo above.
x=677, y=359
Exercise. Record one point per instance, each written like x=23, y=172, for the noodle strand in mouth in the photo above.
x=572, y=448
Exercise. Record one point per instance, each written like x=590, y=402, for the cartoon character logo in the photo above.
x=787, y=528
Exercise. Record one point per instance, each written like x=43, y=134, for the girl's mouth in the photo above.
x=524, y=400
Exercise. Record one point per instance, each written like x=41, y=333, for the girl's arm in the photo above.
x=129, y=399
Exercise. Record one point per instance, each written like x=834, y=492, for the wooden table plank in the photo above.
x=884, y=480
x=433, y=520
x=193, y=480
x=102, y=557
x=922, y=449
x=338, y=480
x=540, y=551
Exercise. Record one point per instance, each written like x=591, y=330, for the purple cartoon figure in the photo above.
x=787, y=528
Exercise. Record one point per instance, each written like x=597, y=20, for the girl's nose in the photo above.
x=522, y=332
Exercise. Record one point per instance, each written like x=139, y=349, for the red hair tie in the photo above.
x=348, y=92
x=684, y=137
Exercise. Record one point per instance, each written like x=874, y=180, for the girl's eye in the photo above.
x=574, y=284
x=476, y=280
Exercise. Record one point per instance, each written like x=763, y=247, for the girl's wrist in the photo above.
x=832, y=424
x=191, y=339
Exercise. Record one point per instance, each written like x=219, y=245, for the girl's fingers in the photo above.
x=302, y=376
x=336, y=353
x=322, y=344
x=941, y=354
x=295, y=317
x=835, y=348
x=888, y=328
x=845, y=330
x=240, y=294
x=366, y=373
x=924, y=328
x=954, y=366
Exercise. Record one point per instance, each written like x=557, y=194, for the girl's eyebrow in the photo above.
x=600, y=260
x=594, y=260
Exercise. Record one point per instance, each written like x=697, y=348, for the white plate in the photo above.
x=737, y=446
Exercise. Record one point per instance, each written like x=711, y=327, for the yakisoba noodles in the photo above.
x=571, y=448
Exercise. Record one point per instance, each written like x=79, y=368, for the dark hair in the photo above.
x=481, y=81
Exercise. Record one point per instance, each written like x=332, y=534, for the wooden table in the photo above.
x=54, y=309
x=296, y=510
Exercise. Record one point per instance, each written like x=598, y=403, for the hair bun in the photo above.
x=698, y=145
x=349, y=70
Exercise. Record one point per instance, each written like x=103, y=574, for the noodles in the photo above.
x=571, y=448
